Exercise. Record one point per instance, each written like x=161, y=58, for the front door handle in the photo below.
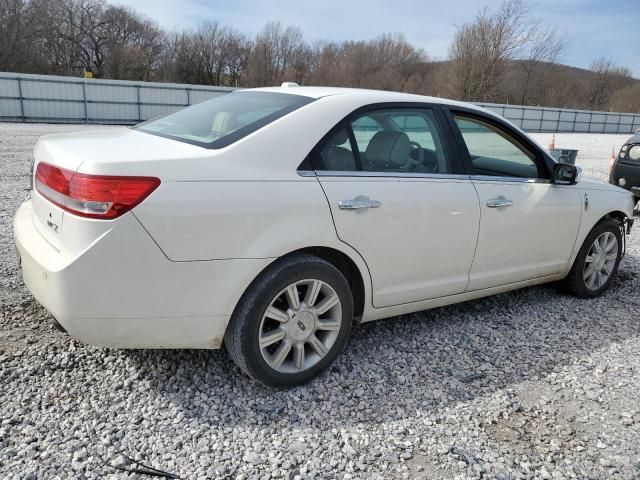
x=499, y=202
x=358, y=203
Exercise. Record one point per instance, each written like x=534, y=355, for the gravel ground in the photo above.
x=529, y=384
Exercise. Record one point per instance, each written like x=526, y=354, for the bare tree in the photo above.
x=481, y=50
x=134, y=45
x=606, y=78
x=278, y=54
x=387, y=62
x=544, y=48
x=626, y=99
x=212, y=54
x=82, y=29
x=19, y=30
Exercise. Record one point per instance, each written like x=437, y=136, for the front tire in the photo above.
x=597, y=261
x=292, y=321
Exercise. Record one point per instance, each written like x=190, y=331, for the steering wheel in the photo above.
x=414, y=145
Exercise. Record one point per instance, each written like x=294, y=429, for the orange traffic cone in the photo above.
x=552, y=145
x=613, y=158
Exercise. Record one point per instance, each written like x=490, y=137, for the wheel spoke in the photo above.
x=298, y=355
x=317, y=345
x=611, y=243
x=597, y=246
x=292, y=297
x=312, y=293
x=329, y=325
x=612, y=256
x=590, y=280
x=588, y=272
x=607, y=269
x=271, y=337
x=280, y=354
x=591, y=258
x=276, y=314
x=326, y=304
x=599, y=280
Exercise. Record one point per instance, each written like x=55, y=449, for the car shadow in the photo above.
x=411, y=363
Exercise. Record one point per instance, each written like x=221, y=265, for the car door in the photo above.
x=528, y=225
x=399, y=197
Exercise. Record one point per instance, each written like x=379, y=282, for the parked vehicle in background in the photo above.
x=269, y=219
x=625, y=170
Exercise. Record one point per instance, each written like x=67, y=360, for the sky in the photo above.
x=594, y=28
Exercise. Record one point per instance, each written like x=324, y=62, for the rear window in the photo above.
x=225, y=119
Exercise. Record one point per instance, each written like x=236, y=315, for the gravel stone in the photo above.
x=528, y=384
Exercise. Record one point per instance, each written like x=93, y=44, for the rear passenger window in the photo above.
x=494, y=152
x=390, y=141
x=337, y=154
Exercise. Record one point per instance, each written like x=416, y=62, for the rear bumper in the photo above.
x=123, y=292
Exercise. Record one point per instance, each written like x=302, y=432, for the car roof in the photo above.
x=384, y=95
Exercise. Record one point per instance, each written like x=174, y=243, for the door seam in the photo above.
x=335, y=229
x=475, y=250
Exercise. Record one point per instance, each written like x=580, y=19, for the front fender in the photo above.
x=597, y=204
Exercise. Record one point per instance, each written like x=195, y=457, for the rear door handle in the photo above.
x=358, y=203
x=499, y=202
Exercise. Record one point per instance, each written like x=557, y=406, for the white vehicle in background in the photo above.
x=269, y=219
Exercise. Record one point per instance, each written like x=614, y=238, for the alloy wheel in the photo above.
x=600, y=261
x=300, y=326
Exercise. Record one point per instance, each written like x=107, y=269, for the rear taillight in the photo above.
x=92, y=196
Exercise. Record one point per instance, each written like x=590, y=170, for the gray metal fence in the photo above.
x=47, y=98
x=546, y=119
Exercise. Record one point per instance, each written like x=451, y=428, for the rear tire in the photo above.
x=292, y=322
x=597, y=261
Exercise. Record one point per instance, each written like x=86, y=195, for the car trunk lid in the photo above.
x=107, y=151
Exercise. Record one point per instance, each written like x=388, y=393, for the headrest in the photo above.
x=388, y=148
x=339, y=159
x=340, y=137
x=223, y=123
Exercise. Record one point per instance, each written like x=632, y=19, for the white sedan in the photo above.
x=270, y=219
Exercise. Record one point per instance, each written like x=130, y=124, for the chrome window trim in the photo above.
x=435, y=176
x=490, y=178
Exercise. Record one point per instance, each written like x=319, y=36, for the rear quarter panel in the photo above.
x=215, y=220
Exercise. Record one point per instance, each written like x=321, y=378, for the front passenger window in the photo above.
x=494, y=152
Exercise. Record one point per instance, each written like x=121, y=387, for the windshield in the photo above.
x=225, y=119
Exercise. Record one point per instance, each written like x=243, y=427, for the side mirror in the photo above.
x=565, y=174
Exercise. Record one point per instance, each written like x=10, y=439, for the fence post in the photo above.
x=619, y=123
x=84, y=98
x=138, y=101
x=188, y=96
x=541, y=117
x=21, y=99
